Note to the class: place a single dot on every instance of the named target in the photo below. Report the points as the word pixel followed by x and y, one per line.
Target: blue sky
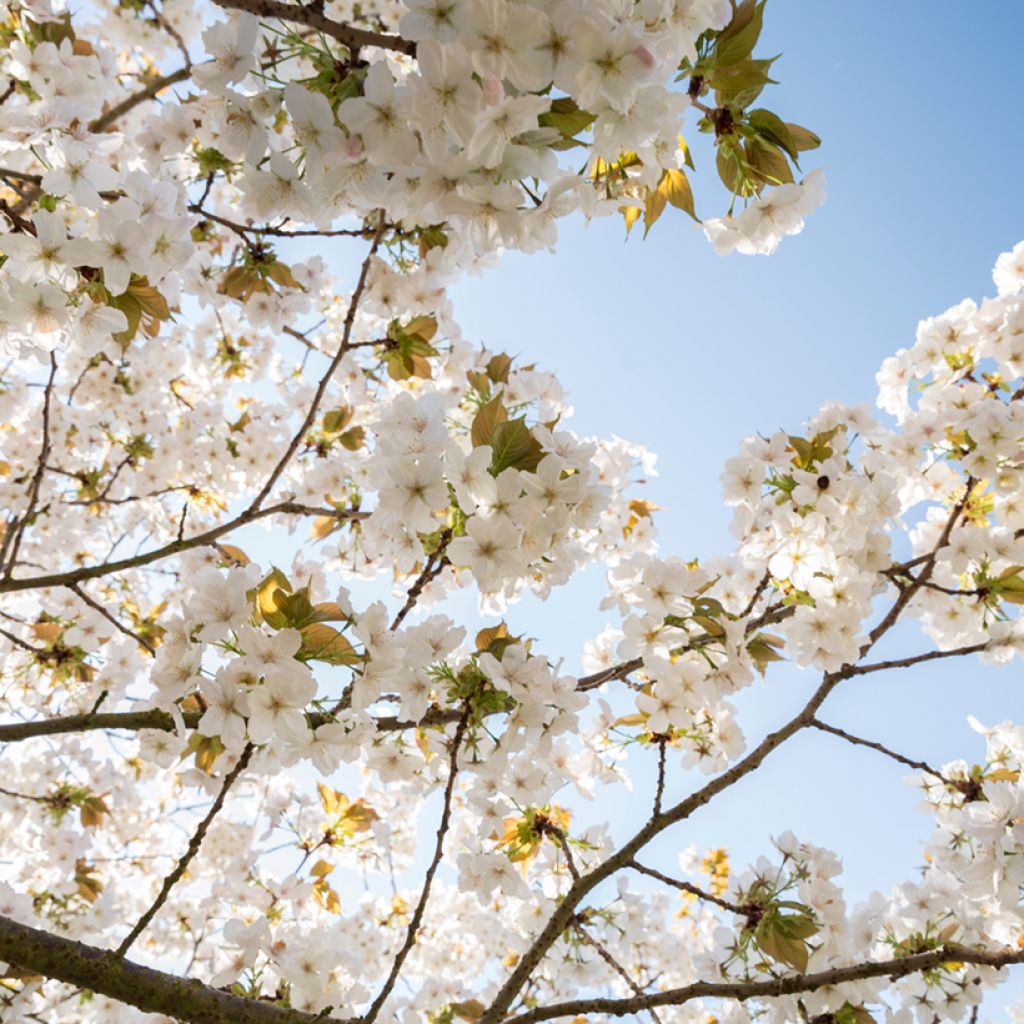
pixel 664 343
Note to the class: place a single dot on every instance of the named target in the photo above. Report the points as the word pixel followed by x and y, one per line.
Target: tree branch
pixel 790 985
pixel 321 388
pixel 436 561
pixel 99 970
pixel 563 914
pixel 186 858
pixel 694 890
pixel 961 785
pixel 421 906
pixel 174 547
pixel 607 957
pixel 17 534
pixel 96 606
pixel 104 121
pixel 313 16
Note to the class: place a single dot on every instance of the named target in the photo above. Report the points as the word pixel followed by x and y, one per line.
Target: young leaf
pixel 514 446
pixel 484 422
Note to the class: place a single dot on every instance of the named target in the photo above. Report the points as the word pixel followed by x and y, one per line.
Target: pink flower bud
pixel 645 57
pixel 494 91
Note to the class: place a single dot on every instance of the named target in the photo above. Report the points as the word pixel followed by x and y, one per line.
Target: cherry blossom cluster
pixel 248 737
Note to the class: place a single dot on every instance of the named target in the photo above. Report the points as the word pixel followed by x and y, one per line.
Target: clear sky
pixel 662 342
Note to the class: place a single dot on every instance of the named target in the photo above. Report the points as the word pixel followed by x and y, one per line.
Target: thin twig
pixel 436 561
pixel 659 791
pixel 421 906
pixel 96 606
pixel 607 957
pixel 693 890
pixel 321 388
pixel 922 766
pixel 186 858
pixel 37 478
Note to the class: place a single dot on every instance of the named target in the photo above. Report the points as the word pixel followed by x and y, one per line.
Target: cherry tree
pixel 243 787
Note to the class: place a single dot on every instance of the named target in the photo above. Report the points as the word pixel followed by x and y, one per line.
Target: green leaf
pixel 848 1014
pixel 687 155
pixel 514 447
pixel 266 598
pixel 422 327
pixel 487 418
pixel 772 128
pixel 132 309
pixel 742 83
pixel 768 162
pixel 728 169
pixel 803 138
pixel 737 40
pixel 804 450
pixel 353 439
pixel 337 420
pixel 785 950
pixel 784 937
pixel 630 214
pixel 566 117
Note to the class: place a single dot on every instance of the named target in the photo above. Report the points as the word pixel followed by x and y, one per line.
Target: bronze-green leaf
pixel 514 447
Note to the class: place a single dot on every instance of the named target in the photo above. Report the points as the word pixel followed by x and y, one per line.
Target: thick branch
pixel 99 970
pixel 743 990
pixel 154 718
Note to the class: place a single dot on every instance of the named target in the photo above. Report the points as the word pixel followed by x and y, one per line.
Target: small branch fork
pixel 433 567
pixel 579 926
